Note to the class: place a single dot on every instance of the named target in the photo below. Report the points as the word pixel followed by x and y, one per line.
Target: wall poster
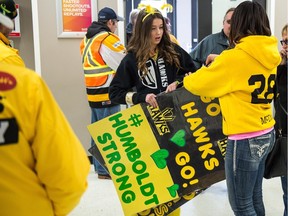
pixel 16 31
pixel 74 17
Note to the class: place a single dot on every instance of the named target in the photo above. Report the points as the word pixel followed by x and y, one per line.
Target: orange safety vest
pixel 98 75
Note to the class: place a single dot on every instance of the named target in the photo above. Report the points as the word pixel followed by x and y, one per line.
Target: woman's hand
pixel 151 100
pixel 172 86
pixel 210 58
pixel 283 54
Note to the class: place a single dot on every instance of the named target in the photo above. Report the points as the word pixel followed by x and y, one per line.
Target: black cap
pixel 107 14
pixel 8 8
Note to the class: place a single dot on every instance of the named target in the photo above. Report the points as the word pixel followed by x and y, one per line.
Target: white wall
pixel 184 20
pixel 277 13
pixel 219 8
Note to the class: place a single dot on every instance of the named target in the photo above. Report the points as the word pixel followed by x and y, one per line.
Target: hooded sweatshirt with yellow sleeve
pixel 43 166
pixel 243 79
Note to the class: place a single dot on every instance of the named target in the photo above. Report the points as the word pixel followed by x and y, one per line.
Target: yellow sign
pixel 133 164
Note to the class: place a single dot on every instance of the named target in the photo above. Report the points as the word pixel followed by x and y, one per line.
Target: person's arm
pixel 186 62
pixel 212 81
pixel 112 51
pixel 126 78
pixel 198 54
pixel 122 83
pixel 62 164
pixel 186 65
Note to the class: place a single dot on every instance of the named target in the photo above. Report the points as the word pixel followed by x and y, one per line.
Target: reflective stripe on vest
pixel 99 82
pixel 96 72
pixel 98 98
pixel 95 64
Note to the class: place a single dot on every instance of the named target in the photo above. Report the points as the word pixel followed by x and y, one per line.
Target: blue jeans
pixel 96 115
pixel 284 187
pixel 244 169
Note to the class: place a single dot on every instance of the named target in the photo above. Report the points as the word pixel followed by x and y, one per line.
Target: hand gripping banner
pixel 160 158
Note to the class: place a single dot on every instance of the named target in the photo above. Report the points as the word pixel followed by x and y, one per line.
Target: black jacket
pixel 95 28
pixel 280 115
pixel 212 44
pixel 160 75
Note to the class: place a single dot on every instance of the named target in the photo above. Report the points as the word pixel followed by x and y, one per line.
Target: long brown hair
pixel 249 18
pixel 140 43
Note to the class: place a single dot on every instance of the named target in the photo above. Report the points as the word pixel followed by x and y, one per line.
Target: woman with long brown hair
pixel 243 78
pixel 152 65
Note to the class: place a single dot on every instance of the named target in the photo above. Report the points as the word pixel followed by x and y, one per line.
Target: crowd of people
pixel 240 65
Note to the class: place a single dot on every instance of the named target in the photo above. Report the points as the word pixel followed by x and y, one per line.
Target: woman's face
pixel 156 31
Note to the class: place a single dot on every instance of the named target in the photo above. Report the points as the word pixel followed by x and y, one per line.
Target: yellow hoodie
pixel 8 54
pixel 243 79
pixel 43 166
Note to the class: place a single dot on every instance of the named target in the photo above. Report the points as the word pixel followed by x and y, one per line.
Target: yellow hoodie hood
pixel 267 55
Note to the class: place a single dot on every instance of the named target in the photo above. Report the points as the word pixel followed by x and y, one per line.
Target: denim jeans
pixel 96 115
pixel 244 169
pixel 284 187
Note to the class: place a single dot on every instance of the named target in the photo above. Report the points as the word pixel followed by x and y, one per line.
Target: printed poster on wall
pixel 16 31
pixel 160 158
pixel 74 17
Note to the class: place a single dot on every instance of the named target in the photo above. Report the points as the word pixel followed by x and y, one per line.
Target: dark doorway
pixel 132 4
pixel 201 20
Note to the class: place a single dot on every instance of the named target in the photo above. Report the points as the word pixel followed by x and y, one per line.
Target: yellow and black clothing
pixel 8 54
pixel 160 75
pixel 98 75
pixel 43 166
pixel 243 79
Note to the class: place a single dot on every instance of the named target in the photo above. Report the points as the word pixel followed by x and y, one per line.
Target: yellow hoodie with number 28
pixel 243 79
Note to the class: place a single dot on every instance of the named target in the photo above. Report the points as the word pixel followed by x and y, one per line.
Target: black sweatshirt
pixel 282 90
pixel 160 75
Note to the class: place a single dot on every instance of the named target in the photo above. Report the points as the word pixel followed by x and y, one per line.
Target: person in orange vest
pixel 102 52
pixel 8 54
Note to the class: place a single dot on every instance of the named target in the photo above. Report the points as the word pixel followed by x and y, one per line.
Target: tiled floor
pixel 101 200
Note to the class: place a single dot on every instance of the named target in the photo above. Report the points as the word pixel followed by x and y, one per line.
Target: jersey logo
pixel 7 81
pixel 8 131
pixel 150 79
